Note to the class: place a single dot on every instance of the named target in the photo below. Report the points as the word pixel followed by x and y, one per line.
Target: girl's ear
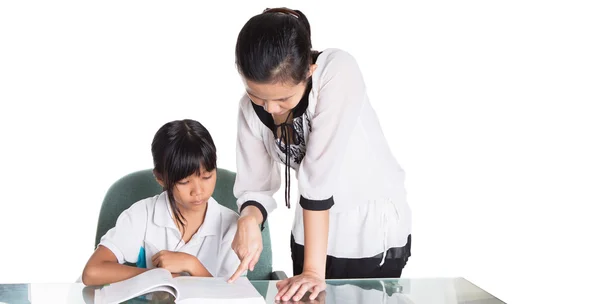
pixel 159 179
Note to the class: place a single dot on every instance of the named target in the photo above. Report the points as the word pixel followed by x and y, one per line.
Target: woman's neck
pixel 284 118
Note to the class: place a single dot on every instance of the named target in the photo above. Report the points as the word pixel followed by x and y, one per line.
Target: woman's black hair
pixel 275 47
pixel 181 148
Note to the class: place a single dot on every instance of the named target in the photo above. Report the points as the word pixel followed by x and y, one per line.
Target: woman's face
pixel 276 98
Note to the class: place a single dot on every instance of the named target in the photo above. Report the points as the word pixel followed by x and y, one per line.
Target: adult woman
pixel 309 110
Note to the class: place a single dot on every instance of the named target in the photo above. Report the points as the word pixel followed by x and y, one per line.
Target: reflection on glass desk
pixel 369 291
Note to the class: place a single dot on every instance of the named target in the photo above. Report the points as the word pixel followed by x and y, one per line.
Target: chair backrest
pixel 139 185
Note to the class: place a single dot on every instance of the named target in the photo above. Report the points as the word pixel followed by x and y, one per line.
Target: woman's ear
pixel 159 179
pixel 311 70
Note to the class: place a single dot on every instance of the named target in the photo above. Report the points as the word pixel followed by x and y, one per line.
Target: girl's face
pixel 194 191
pixel 276 98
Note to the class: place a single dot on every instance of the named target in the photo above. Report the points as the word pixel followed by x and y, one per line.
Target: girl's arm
pixel 179 262
pixel 198 270
pixel 103 268
pixel 119 245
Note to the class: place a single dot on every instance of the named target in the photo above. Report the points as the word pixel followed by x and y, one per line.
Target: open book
pixel 185 289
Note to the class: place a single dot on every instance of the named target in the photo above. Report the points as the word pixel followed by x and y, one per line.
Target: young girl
pixel 310 111
pixel 183 229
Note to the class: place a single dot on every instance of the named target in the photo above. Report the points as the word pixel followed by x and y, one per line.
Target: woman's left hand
pixel 295 287
pixel 175 262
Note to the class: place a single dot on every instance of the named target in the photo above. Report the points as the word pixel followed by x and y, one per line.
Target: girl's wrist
pixel 191 264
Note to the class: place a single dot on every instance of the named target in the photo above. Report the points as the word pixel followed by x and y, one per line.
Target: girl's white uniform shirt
pixel 346 165
pixel 147 227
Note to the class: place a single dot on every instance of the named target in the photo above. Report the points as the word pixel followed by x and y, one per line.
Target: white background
pixel 491 107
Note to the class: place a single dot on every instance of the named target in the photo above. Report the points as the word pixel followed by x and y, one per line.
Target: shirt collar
pixel 212 220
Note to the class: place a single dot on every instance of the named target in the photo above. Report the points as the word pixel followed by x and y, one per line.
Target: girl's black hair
pixel 181 148
pixel 275 47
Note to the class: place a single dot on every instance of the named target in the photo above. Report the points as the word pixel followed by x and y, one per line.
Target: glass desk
pixel 369 291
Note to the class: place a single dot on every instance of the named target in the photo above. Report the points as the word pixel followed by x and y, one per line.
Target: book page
pixel 149 281
pixel 216 290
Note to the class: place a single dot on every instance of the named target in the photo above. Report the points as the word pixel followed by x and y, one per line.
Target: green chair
pixel 139 185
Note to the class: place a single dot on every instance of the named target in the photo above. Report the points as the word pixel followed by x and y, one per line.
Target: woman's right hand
pixel 247 244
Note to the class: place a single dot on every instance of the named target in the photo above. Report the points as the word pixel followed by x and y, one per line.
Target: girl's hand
pixel 247 244
pixel 294 288
pixel 175 262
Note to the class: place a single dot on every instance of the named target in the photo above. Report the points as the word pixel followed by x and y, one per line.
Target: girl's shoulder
pixel 145 207
pixel 227 214
pixel 225 221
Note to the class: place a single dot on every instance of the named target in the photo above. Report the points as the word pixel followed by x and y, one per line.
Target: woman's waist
pixel 374 194
pixel 348 204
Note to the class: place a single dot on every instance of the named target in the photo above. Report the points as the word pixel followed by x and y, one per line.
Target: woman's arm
pixel 257 179
pixel 316 232
pixel 252 213
pixel 103 268
pixel 341 96
pixel 312 279
pixel 258 175
pixel 247 242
